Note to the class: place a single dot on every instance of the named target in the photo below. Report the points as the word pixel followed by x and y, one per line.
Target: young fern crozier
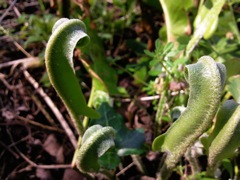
pixel 224 140
pixel 206 79
pixel 97 139
pixel 66 34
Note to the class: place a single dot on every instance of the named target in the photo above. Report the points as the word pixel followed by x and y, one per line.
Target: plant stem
pixel 164 172
pixel 138 162
pixel 86 119
pixel 191 157
pixel 76 151
pixel 199 32
pixel 211 170
pixel 159 112
pixel 167 71
pixel 236 32
pixel 42 7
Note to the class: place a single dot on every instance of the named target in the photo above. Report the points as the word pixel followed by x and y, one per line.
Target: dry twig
pixel 9 149
pixel 39 124
pixel 54 109
pixel 7 10
pixel 53 166
pixel 24 61
pixel 42 109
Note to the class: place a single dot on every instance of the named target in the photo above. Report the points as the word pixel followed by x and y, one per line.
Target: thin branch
pixel 43 110
pixel 125 169
pixel 52 166
pixel 39 124
pixel 24 61
pixel 7 10
pixel 9 149
pixel 145 98
pixel 54 109
pixel 4 81
pixel 15 42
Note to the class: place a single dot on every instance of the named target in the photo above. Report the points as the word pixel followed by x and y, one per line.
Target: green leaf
pixel 136 46
pixel 167 48
pixel 205 21
pixel 141 70
pixel 140 75
pixel 206 79
pixel 108 75
pixel 155 71
pixel 226 24
pixel 109 160
pixel 108 118
pixel 95 142
pixel 147 52
pixel 232 64
pixel 228 166
pixel 32 39
pixel 89 132
pixel 234 87
pixel 180 61
pixel 45 80
pixel 226 136
pixel 153 62
pixel 171 54
pixel 169 63
pixel 223 116
pixel 100 97
pixel 125 138
pixel 176 17
pixel 158 45
pixel 59 51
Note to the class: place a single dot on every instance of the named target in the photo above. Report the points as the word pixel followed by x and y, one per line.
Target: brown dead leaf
pixel 52 146
pixel 43 174
pixel 147 178
pixel 72 175
pixel 8 115
pixel 177 86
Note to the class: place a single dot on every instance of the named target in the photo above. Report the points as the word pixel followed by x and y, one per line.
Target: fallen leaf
pixel 52 146
pixel 72 175
pixel 43 174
